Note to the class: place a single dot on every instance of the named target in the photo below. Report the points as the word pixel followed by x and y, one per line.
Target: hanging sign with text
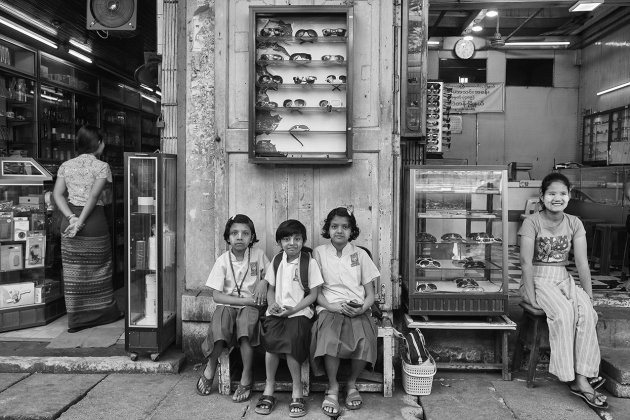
pixel 473 98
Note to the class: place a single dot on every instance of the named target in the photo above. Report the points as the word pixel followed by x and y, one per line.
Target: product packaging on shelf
pixel 17 294
pixel 6 224
pixel 35 249
pixel 20 227
pixel 11 257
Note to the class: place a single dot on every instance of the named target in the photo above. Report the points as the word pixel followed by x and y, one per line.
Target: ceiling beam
pixel 595 17
pixel 604 28
pixel 436 24
pixel 518 28
pixel 472 16
pixel 509 4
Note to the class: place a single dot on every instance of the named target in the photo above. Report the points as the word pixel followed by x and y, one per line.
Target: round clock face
pixel 464 49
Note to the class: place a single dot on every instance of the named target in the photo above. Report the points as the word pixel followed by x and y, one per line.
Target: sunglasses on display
pixel 452 237
pixel 474 264
pixel 271 57
pixel 427 263
pixel 304 79
pixel 331 78
pixel 432 124
pixel 426 288
pixel 267 79
pixel 300 57
pixel 267 32
pixel 299 127
pixel 288 103
pixel 425 237
pixel 434 86
pixel 433 142
pixel 334 32
pixel 466 282
pixel 266 105
pixel 483 237
pixel 433 116
pixel 433 149
pixel 337 58
pixel 433 98
pixel 306 33
pixel 329 104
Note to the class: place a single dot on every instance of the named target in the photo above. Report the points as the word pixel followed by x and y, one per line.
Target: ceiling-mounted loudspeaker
pixel 112 15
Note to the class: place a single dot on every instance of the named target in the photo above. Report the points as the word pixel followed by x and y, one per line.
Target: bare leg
pixel 296 377
pixel 331 364
pixel 247 354
pixel 213 359
pixel 271 367
pixel 356 369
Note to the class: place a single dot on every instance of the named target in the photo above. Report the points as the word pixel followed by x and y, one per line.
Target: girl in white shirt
pixel 238 290
pixel 344 328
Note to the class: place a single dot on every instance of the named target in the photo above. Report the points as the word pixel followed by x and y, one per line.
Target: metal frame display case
pixel 455 240
pixel 150 230
pixel 31 292
pixel 18 135
pixel 413 72
pixel 301 69
pixel 606 137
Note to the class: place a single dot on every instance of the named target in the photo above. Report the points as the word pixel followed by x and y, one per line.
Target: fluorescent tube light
pixel 158 93
pixel 613 88
pixel 538 44
pixel 585 5
pixel 50 98
pixel 429 42
pixel 468 37
pixel 148 98
pixel 81 56
pixel 145 87
pixel 477 28
pixel 27 32
pixel 80 45
pixel 492 13
pixel 39 24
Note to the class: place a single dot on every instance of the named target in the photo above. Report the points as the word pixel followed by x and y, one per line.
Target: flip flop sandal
pixel 331 402
pixel 353 396
pixel 596 383
pixel 591 398
pixel 265 404
pixel 242 393
pixel 297 403
pixel 204 385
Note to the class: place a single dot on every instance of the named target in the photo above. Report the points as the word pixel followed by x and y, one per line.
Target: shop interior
pixel 552 116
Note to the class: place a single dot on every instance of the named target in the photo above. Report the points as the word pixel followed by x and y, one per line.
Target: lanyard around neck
pixel 238 287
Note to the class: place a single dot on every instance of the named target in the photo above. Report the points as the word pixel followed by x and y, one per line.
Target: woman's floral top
pixel 80 174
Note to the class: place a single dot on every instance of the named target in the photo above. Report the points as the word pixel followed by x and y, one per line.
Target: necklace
pixel 238 286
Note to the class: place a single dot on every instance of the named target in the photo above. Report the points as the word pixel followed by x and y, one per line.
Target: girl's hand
pixel 350 311
pixel 275 309
pixel 286 311
pixel 260 293
pixel 335 308
pixel 247 301
pixel 71 230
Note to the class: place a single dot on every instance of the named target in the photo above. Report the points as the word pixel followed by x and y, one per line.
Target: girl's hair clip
pixel 232 217
pixel 350 209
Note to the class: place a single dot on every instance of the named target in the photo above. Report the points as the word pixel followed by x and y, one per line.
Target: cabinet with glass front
pixel 150 232
pixel 455 223
pixel 18 135
pixel 301 85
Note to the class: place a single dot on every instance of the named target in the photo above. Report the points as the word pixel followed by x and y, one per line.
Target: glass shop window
pixel 462 71
pixel 529 72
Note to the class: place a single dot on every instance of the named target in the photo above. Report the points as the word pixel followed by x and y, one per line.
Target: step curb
pixel 170 363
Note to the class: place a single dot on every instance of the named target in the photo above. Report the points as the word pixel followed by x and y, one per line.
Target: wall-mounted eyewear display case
pixel 301 85
pixel 454 236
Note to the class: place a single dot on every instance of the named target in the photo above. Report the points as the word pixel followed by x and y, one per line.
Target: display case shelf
pixel 329 140
pixel 454 225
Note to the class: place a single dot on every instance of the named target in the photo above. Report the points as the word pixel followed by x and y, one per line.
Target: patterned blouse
pixel 80 174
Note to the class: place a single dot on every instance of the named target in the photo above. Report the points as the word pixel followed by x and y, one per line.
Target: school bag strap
pixel 417 352
pixel 376 310
pixel 305 259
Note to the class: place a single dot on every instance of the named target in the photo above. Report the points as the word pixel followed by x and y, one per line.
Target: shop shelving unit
pixel 441 202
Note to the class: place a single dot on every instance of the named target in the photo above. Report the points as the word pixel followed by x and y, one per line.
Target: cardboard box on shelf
pixel 31 199
pixel 49 290
pixel 17 294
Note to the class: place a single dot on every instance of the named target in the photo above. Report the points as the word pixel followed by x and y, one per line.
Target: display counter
pixel 518 194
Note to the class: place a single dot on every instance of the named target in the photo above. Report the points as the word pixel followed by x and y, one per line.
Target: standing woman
pixel 545 241
pixel 85 244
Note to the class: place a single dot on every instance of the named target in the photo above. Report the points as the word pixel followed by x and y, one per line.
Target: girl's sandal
pixel 265 404
pixel 204 385
pixel 331 401
pixel 353 396
pixel 297 407
pixel 242 393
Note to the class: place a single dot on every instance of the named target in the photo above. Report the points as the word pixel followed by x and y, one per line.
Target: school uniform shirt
pixel 222 279
pixel 344 277
pixel 288 284
pixel 552 244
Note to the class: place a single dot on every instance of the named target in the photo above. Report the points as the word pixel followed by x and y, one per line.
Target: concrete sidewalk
pixel 455 395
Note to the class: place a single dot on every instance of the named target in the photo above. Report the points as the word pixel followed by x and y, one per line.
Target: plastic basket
pixel 418 379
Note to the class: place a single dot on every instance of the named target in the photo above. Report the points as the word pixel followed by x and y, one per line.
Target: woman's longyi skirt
pixel 337 335
pixel 87 273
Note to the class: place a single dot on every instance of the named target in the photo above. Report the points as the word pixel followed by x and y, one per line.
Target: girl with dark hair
pixel 545 241
pixel 85 243
pixel 237 287
pixel 344 328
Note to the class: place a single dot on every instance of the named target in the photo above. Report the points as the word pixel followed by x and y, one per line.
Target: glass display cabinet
pixel 301 85
pixel 455 240
pixel 414 73
pixel 18 135
pixel 31 293
pixel 150 232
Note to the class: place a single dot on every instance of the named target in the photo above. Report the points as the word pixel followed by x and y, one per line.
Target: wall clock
pixel 464 49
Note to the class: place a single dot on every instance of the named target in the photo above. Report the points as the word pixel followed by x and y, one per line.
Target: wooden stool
pixel 589 227
pixel 225 381
pixel 603 241
pixel 536 320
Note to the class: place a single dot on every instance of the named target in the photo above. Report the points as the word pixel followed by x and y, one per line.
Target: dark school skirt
pixel 287 336
pixel 337 335
pixel 87 272
pixel 230 325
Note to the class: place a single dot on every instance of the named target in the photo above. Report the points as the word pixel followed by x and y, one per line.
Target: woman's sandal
pixel 331 401
pixel 597 382
pixel 204 385
pixel 353 396
pixel 298 405
pixel 265 404
pixel 591 398
pixel 242 393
